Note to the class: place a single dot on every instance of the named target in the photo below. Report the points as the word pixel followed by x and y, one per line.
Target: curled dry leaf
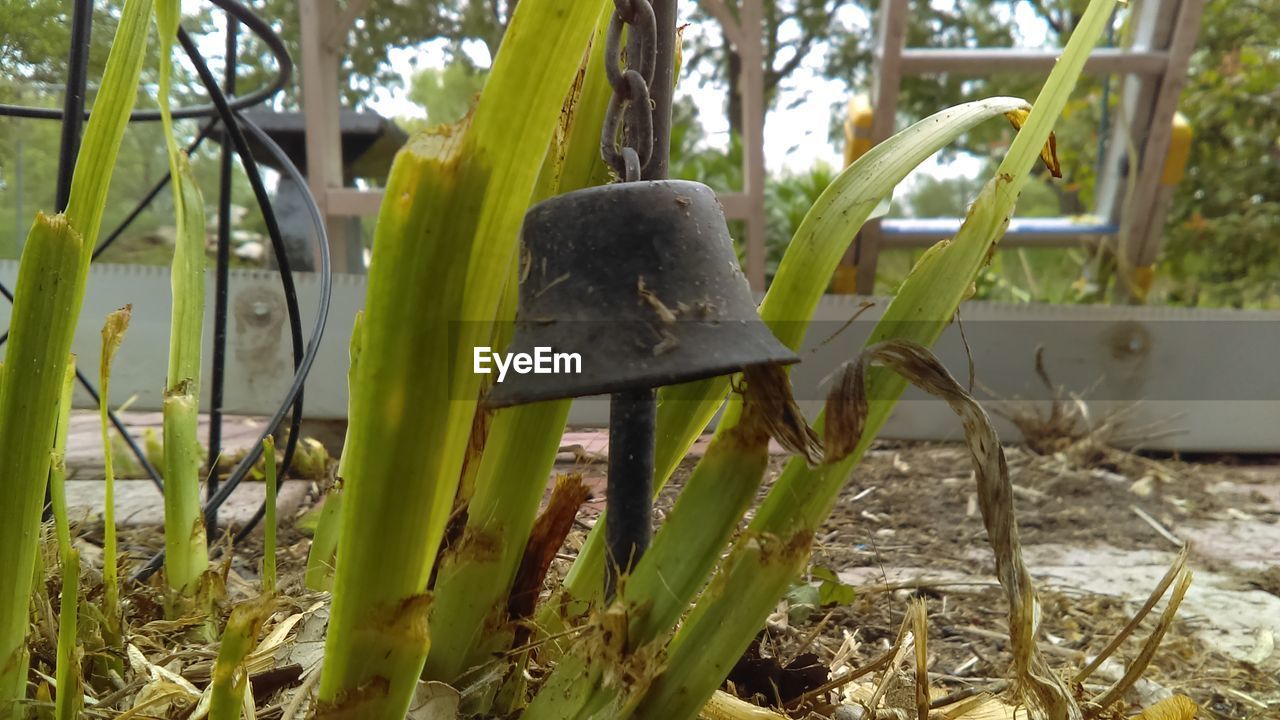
pixel 1048 153
pixel 1036 685
pixel 768 400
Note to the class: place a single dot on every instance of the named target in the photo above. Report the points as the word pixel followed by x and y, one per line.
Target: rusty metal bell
pixel 639 281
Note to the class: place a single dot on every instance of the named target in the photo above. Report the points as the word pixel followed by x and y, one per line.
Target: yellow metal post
pixel 857 141
pixel 1175 168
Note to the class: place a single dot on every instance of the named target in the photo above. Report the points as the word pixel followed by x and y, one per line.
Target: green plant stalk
pixel 473 584
pixel 35 369
pixel 451 214
pixel 322 556
pixel 469 609
pixel 773 550
pixel 112 336
pixel 821 240
pixel 269 530
pixel 70 696
pixel 186 558
pixel 67 671
pixel 186 554
pixel 54 269
pixel 229 681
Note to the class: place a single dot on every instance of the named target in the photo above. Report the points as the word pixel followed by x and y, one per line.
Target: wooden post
pixel 320 107
pixel 753 111
pixel 745 33
pixel 884 103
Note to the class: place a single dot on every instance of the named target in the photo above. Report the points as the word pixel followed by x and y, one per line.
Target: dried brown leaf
pixel 549 532
pixel 1049 153
pixel 1036 685
pixel 768 401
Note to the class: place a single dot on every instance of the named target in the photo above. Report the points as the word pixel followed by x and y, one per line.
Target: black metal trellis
pixel 224 109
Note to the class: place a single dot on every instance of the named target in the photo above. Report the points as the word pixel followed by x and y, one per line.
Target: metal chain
pixel 626 140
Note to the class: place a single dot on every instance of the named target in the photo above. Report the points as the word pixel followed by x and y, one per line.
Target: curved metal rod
pixel 256 25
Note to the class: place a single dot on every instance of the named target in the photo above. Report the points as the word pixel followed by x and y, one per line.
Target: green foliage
pixel 823 589
pixel 447 93
pixel 446 238
pixel 1221 249
pixel 831 590
pixel 787 199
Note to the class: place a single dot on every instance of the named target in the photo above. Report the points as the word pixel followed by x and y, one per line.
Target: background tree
pixel 1221 243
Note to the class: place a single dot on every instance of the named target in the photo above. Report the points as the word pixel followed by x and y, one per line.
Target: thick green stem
pixel 35 367
pixel 186 557
pixel 50 289
pixel 451 215
pixel 475 577
pixel 70 696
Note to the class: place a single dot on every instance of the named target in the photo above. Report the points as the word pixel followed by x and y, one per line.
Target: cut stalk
pixel 230 678
pixel 35 367
pixel 49 293
pixel 269 530
pixel 186 556
pixel 469 611
pixel 451 214
pixel 112 336
pixel 774 548
pixel 70 695
pixel 468 615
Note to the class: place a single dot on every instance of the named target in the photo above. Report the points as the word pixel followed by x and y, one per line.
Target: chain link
pixel 626 140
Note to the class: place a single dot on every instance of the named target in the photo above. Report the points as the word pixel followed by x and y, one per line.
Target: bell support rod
pixel 633 414
pixel 629 494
